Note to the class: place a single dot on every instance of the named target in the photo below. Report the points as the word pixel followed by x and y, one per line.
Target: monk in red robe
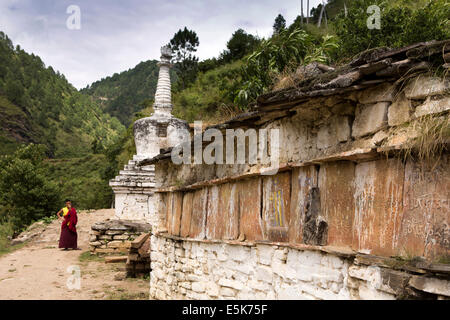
pixel 68 238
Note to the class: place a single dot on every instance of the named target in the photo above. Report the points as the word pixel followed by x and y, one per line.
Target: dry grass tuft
pixel 434 134
pixel 224 113
pixel 430 136
pixel 284 81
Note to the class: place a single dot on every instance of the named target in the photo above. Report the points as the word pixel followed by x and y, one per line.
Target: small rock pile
pixel 115 236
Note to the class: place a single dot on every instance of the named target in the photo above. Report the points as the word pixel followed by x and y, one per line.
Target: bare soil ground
pixel 39 269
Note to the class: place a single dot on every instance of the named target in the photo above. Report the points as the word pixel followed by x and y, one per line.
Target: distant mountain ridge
pixel 39 105
pixel 123 94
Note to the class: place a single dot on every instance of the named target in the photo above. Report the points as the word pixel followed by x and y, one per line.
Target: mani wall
pixel 357 210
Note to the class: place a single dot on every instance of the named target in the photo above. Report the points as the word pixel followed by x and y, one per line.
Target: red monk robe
pixel 68 238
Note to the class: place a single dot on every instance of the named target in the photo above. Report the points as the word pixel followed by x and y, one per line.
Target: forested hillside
pixel 51 142
pixel 125 93
pixel 38 104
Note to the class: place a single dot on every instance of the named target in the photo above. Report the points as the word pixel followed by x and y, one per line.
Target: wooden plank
pixel 132 257
pixel 137 243
pixel 168 200
pixel 177 205
pixel 186 214
pixel 303 179
pixel 387 262
pixel 199 212
pixel 355 155
pixel 229 209
pixel 378 206
pixel 276 206
pixel 250 222
pixel 434 267
pixel 336 185
pixel 215 221
pixel 116 259
pixel 426 200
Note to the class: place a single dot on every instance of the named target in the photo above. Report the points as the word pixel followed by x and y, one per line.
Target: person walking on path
pixel 69 236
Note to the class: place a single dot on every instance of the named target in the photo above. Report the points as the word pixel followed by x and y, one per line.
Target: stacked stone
pixel 202 270
pixel 138 262
pixel 113 237
pixel 382 107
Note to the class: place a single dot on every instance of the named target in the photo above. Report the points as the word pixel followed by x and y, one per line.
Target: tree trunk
pixel 321 15
pixel 302 12
pixel 307 11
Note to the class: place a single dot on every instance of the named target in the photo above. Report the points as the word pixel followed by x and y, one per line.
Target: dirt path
pixel 39 269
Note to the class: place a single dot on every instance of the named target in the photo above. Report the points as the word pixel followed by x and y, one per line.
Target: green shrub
pixel 284 52
pixel 84 180
pixel 26 194
pixel 402 23
pixel 211 91
pixel 6 231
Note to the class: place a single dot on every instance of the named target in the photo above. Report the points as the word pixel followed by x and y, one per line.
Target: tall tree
pixel 302 13
pixel 183 44
pixel 240 44
pixel 307 11
pixel 321 15
pixel 279 25
pixel 26 194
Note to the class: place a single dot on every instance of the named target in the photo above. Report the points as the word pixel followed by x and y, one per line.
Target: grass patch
pixel 9 249
pixel 120 294
pixel 6 232
pixel 444 259
pixel 88 257
pixel 398 262
pixel 49 220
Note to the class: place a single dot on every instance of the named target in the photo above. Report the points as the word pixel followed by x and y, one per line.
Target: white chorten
pixel 133 188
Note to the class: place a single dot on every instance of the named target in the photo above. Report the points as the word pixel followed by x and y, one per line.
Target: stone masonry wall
pixel 200 270
pixel 115 236
pixel 230 232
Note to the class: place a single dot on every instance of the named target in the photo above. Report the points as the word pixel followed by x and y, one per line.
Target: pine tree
pixel 279 25
pixel 183 44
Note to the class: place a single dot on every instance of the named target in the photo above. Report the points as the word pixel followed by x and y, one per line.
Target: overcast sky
pixel 116 35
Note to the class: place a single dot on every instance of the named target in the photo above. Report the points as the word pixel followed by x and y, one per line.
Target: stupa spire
pixel 163 95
